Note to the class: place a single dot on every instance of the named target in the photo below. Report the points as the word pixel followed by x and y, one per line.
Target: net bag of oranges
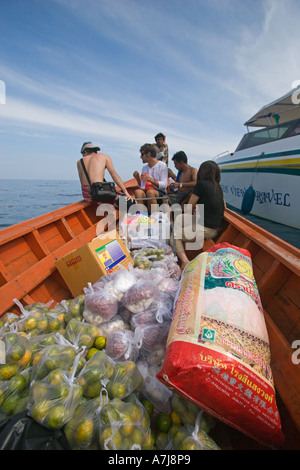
pixel 218 353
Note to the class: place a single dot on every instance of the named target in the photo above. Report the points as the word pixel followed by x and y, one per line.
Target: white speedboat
pixel 268 159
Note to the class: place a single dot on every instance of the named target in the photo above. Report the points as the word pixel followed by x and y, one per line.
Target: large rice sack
pixel 218 353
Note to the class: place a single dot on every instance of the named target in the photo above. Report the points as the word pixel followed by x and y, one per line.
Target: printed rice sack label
pixel 218 353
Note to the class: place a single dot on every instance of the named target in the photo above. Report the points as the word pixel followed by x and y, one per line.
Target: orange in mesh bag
pixel 218 353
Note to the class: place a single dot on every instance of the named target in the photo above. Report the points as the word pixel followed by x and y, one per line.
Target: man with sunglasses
pixel 153 180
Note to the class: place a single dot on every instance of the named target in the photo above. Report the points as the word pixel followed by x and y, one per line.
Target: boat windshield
pixel 269 134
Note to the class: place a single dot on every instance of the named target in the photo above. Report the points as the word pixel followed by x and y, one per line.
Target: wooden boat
pixel 28 252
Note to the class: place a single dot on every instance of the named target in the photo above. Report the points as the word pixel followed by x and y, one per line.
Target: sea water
pixel 25 199
pixel 21 200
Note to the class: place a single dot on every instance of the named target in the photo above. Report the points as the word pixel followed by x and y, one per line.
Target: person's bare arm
pixel 193 199
pixel 136 175
pixel 171 174
pixel 79 172
pixel 110 168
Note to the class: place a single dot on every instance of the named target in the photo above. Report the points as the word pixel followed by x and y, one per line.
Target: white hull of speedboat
pixel 274 177
pixel 272 168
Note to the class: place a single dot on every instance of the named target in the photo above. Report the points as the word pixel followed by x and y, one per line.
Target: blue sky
pixel 117 72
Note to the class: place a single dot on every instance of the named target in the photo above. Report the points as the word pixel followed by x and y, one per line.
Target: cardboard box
pixel 88 263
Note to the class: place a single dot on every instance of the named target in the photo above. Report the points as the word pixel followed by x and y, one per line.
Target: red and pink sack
pixel 218 353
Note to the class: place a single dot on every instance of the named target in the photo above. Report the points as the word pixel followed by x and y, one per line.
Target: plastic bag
pixel 14 394
pixel 81 333
pixel 82 431
pixel 60 355
pixel 39 342
pixel 153 390
pixel 95 374
pixel 126 379
pixel 33 318
pixel 123 425
pixel 53 400
pixel 121 281
pixel 154 334
pixel 33 436
pixel 125 314
pixel 73 308
pixel 144 258
pixel 100 302
pixel 115 324
pixel 193 438
pixel 140 296
pixel 169 285
pixel 124 345
pixel 17 348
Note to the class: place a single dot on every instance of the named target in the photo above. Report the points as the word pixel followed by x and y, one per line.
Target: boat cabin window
pixel 269 134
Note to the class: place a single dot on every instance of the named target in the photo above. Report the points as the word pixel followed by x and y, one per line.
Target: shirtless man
pixel 96 164
pixel 185 180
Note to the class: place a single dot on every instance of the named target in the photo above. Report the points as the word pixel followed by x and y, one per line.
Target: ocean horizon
pixel 21 200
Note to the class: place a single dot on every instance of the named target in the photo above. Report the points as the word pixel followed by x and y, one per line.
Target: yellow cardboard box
pixel 88 263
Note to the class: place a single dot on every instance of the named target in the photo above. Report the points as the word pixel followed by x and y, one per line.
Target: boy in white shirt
pixel 153 180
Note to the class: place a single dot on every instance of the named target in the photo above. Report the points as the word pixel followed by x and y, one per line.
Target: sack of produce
pixel 17 348
pixel 140 296
pixel 154 334
pixel 144 258
pixel 115 324
pixel 169 267
pixel 218 353
pixel 60 355
pixel 81 334
pixel 73 308
pixel 33 318
pixel 121 281
pixel 124 345
pixel 53 400
pixel 14 394
pixel 95 374
pixel 154 390
pixel 39 342
pixel 82 431
pixel 100 302
pixel 192 437
pixel 6 320
pixel 126 379
pixel 123 425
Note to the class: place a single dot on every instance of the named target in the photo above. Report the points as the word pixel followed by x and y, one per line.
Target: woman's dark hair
pixel 180 156
pixel 209 170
